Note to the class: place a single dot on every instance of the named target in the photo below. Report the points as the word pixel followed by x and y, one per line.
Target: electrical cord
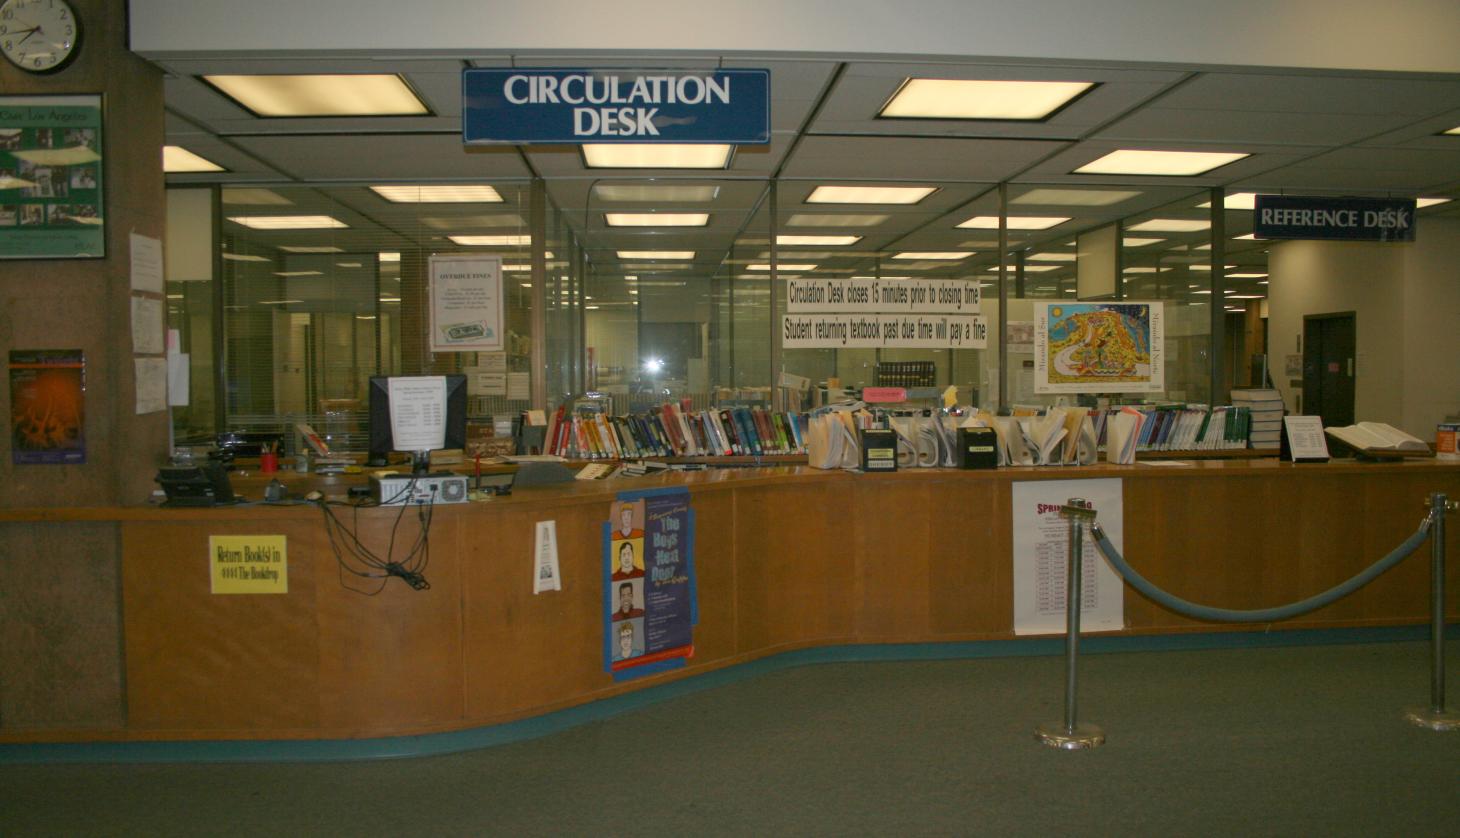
pixel 354 558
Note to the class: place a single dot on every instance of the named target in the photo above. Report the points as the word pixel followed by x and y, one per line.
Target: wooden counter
pixel 786 558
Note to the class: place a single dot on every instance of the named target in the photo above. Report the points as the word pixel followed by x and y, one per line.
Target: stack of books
pixel 1267 415
pixel 671 430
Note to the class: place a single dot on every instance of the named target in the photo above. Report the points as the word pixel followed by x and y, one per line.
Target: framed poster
pixel 51 174
pixel 1099 348
pixel 466 303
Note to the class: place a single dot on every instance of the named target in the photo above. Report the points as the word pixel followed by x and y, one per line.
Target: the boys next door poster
pixel 648 583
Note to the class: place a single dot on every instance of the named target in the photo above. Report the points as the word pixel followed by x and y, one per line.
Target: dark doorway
pixel 1328 367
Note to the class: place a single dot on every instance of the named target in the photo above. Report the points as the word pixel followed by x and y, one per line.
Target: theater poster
pixel 649 600
pixel 47 406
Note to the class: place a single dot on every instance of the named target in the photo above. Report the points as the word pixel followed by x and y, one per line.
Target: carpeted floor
pixel 1280 741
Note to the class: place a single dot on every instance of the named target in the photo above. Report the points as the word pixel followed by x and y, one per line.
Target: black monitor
pixel 382 439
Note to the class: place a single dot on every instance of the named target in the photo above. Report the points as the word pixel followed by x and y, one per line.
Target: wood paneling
pixel 785 559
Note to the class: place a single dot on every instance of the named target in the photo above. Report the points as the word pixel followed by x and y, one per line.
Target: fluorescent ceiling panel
pixel 1052 257
pixel 656 254
pixel 981 99
pixel 927 254
pixel 1247 238
pixel 391 256
pixel 1246 276
pixel 310 248
pixel 1074 197
pixel 442 194
pixel 656 219
pixel 288 222
pixel 321 95
pixel 1015 222
pixel 1041 268
pixel 784 266
pixel 460 222
pixel 1234 201
pixel 349 264
pixel 298 273
pixel 1170 225
pixel 1137 241
pixel 253 196
pixel 176 159
pixel 244 257
pixel 869 194
pixel 817 240
pixel 632 193
pixel 278 302
pixel 1455 130
pixel 811 219
pixel 1168 163
pixel 1421 203
pixel 492 241
pixel 656 156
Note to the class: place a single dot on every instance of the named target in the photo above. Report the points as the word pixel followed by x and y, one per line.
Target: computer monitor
pixel 382 435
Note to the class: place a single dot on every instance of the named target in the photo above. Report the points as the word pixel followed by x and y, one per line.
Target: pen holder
pixel 268 463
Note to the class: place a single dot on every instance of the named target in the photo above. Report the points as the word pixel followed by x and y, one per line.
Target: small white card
pixel 545 573
pixel 1305 438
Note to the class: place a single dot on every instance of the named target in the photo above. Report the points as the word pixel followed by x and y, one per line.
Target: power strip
pixel 400 489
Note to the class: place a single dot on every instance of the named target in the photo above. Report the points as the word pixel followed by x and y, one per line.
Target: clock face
pixel 39 36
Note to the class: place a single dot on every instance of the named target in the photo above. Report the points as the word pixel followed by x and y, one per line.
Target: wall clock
pixel 39 36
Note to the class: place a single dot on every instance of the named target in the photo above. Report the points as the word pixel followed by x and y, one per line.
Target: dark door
pixel 1328 367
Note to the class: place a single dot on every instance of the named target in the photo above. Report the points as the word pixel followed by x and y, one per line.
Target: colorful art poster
pixel 51 203
pixel 649 600
pixel 1099 348
pixel 47 406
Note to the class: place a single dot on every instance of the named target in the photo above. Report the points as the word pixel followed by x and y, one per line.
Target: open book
pixel 1377 436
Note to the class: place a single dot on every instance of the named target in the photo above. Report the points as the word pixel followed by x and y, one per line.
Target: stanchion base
pixel 1055 735
pixel 1433 719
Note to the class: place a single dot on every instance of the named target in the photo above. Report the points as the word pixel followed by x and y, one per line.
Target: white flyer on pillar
pixel 1041 546
pixel 466 303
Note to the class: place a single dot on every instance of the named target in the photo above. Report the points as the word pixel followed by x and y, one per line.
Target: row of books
pixel 675 431
pixel 1186 428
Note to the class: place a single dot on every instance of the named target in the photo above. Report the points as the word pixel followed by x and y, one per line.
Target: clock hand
pixel 28 32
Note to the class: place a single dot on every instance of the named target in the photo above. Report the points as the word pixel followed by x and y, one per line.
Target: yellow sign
pixel 249 564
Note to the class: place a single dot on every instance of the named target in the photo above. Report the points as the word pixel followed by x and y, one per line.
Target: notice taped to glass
pixel 466 303
pixel 885 331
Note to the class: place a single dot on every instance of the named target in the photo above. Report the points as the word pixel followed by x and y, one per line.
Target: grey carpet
pixel 1294 741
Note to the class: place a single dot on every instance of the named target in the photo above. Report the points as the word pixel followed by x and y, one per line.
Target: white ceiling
pixel 1308 132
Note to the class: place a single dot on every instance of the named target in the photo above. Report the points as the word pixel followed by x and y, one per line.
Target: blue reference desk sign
pixel 565 106
pixel 1350 219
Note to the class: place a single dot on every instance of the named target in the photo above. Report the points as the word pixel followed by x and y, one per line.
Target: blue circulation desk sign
pixel 547 106
pixel 1348 219
pixel 649 597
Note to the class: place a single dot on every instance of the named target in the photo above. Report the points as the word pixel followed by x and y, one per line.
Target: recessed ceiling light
pixel 492 241
pixel 278 302
pixel 817 240
pixel 442 194
pixel 389 256
pixel 1140 270
pixel 1235 201
pixel 321 95
pixel 655 156
pixel 656 219
pixel 1421 203
pixel 1052 257
pixel 517 267
pixel 1042 268
pixel 1247 238
pixel 1245 297
pixel 253 196
pixel 810 219
pixel 930 254
pixel 390 299
pixel 349 265
pixel 1170 225
pixel 1169 163
pixel 632 193
pixel 784 266
pixel 656 254
pixel 1206 267
pixel 244 257
pixel 310 248
pixel 1015 222
pixel 1455 130
pixel 462 222
pixel 657 267
pixel 1137 241
pixel 298 273
pixel 287 222
pixel 869 194
pixel 176 159
pixel 1246 276
pixel 1074 197
pixel 981 99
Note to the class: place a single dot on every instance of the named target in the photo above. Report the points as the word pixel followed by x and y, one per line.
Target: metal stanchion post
pixel 1071 735
pixel 1435 717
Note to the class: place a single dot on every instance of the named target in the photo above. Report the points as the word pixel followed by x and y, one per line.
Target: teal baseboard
pixel 435 744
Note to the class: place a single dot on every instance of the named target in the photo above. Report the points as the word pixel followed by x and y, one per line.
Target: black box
pixel 879 449
pixel 978 448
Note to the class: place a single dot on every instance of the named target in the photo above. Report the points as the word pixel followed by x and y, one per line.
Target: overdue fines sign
pixel 876 314
pixel 466 303
pixel 523 105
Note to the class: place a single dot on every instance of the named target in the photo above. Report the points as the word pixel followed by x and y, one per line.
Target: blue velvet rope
pixel 1260 615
